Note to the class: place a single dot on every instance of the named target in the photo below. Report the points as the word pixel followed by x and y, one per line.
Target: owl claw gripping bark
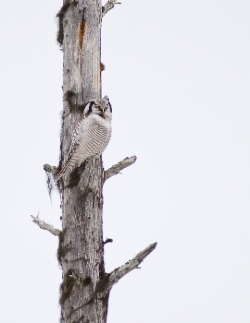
pixel 91 135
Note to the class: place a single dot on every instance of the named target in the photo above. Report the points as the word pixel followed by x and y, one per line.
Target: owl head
pixel 100 107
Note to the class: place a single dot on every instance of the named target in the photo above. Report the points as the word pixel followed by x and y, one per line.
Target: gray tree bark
pixel 85 288
pixel 81 249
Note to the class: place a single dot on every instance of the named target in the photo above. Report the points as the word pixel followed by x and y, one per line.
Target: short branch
pixel 118 273
pixel 108 6
pixel 45 226
pixel 108 240
pixel 50 169
pixel 114 170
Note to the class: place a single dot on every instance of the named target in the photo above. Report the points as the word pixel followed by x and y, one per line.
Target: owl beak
pixel 103 112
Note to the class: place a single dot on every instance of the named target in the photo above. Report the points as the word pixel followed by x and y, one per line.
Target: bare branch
pixel 108 6
pixel 118 273
pixel 45 226
pixel 114 170
pixel 109 280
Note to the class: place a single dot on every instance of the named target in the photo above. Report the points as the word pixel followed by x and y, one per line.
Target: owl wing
pixel 73 148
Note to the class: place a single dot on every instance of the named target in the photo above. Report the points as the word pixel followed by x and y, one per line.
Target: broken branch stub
pixel 108 6
pixel 50 169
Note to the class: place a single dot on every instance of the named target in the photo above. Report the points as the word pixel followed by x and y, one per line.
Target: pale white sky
pixel 178 75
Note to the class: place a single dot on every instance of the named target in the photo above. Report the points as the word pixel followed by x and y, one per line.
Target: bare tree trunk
pixel 82 240
pixel 85 287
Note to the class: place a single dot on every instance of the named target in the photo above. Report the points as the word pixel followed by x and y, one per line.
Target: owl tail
pixel 60 174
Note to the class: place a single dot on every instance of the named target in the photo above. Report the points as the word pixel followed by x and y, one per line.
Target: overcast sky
pixel 178 76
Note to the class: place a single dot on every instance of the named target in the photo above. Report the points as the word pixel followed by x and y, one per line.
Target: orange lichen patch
pixel 82 27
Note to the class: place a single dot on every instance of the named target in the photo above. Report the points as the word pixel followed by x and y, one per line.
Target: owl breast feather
pixel 94 137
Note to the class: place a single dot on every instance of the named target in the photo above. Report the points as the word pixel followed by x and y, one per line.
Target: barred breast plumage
pixel 91 135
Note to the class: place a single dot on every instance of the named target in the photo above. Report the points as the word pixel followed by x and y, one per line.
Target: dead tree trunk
pixel 81 250
pixel 85 287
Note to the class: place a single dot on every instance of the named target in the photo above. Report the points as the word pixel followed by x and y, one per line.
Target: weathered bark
pixel 82 240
